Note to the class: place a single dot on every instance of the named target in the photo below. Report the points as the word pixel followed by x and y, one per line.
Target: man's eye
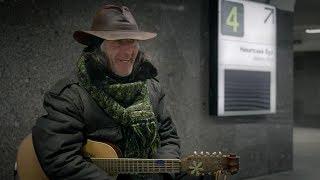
pixel 116 43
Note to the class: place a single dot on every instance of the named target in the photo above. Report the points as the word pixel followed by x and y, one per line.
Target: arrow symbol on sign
pixel 269 15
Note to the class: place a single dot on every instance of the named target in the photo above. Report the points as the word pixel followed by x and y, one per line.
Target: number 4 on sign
pixel 232 19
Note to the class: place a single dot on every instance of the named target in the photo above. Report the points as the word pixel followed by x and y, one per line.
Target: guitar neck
pixel 132 166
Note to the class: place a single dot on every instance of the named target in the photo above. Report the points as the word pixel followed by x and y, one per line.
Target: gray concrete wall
pixel 37 49
pixel 307 89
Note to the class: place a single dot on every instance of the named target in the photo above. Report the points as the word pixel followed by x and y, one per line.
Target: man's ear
pixel 104 56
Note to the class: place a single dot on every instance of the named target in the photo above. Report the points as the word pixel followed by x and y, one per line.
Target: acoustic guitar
pixel 106 156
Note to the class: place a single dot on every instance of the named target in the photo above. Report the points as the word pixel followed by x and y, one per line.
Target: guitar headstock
pixel 210 163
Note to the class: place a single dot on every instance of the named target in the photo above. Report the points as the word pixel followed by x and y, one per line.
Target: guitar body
pixel 29 167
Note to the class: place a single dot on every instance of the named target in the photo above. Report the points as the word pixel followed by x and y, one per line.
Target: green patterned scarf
pixel 126 103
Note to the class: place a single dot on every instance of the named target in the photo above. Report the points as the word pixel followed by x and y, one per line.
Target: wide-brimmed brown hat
pixel 112 22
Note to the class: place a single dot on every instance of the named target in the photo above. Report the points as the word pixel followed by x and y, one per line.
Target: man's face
pixel 121 55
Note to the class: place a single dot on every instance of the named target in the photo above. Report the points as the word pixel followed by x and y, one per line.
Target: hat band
pixel 117 27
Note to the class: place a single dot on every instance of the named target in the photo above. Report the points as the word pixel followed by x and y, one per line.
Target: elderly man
pixel 112 96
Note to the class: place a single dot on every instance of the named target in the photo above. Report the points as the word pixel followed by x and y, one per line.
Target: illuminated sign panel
pixel 246 58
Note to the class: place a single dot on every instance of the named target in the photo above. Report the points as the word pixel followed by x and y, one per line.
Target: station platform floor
pixel 306 154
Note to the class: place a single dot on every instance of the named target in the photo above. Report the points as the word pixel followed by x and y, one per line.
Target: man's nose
pixel 127 48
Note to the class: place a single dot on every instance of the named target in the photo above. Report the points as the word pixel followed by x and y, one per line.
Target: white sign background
pixel 254 51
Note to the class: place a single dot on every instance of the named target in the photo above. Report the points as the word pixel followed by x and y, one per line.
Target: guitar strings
pixel 137 165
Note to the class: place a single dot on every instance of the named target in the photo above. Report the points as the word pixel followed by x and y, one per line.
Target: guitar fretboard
pixel 129 166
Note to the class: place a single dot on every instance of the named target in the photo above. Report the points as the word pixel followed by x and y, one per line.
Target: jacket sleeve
pixel 169 139
pixel 58 138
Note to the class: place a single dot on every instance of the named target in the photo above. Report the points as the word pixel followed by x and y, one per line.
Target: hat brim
pixel 85 37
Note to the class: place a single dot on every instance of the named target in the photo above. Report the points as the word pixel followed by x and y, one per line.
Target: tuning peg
pixel 207 153
pixel 214 153
pixel 195 153
pixel 219 153
pixel 201 152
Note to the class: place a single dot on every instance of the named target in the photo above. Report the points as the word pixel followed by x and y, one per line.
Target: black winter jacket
pixel 73 117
